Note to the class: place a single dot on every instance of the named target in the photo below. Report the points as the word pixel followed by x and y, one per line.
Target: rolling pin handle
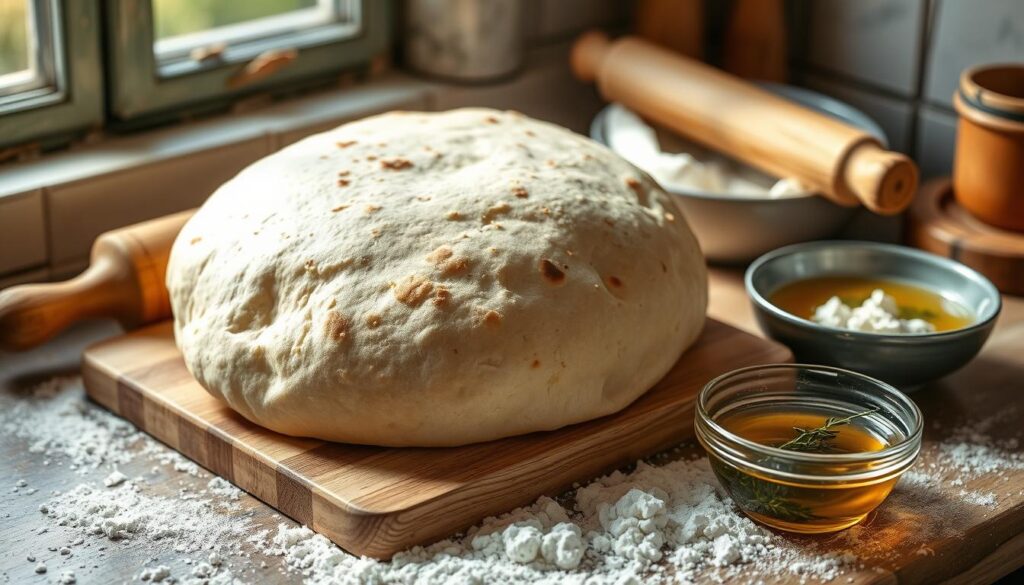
pixel 30 314
pixel 884 181
pixel 588 53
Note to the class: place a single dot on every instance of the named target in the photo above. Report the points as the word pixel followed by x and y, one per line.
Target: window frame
pixel 141 88
pixel 72 100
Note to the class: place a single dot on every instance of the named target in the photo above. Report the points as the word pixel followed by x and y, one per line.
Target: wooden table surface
pixel 907 540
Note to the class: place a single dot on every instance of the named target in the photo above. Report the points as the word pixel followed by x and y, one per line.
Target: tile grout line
pixel 918 102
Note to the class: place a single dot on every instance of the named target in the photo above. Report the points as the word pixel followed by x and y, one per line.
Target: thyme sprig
pixel 817 440
pixel 768 498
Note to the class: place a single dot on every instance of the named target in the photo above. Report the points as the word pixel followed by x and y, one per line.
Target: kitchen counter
pixel 944 538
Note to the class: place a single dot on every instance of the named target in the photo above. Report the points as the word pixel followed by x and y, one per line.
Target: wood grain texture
pixel 375 500
pixel 938 224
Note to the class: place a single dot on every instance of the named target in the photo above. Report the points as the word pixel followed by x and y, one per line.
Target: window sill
pixel 52 208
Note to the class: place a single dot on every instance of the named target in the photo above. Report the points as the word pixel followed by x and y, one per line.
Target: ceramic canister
pixel 464 40
pixel 988 171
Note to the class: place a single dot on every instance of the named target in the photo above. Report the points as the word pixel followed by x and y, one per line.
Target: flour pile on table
pixel 658 523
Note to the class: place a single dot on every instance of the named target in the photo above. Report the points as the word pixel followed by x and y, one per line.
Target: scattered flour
pixel 114 479
pixel 57 420
pixel 156 574
pixel 126 513
pixel 658 523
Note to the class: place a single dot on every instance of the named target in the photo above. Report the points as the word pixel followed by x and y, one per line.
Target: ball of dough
pixel 435 279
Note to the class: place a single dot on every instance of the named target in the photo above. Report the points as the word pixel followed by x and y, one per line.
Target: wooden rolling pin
pixel 125 280
pixel 727 114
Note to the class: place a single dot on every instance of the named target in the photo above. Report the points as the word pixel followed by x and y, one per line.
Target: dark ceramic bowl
pixel 907 361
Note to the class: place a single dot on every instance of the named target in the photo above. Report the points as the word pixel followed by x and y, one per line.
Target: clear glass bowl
pixel 807 492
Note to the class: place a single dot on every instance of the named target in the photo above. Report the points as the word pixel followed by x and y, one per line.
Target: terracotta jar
pixel 988 172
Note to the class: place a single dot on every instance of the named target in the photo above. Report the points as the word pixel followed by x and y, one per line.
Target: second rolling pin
pixel 125 280
pixel 725 113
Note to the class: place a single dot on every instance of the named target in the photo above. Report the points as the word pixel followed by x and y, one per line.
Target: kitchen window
pixel 50 79
pixel 155 60
pixel 188 53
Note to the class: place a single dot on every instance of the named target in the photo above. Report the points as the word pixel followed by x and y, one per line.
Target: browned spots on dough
pixel 339 208
pixel 310 264
pixel 669 216
pixel 195 240
pixel 494 211
pixel 531 133
pixel 444 259
pixel 614 282
pixel 376 233
pixel 535 364
pixel 343 182
pixel 520 192
pixel 439 255
pixel 454 215
pixel 491 318
pixel 371 157
pixel 491 120
pixel 551 163
pixel 442 296
pixel 336 326
pixel 396 164
pixel 423 197
pixel 551 272
pixel 344 173
pixel 373 320
pixel 635 185
pixel 413 290
pixel 454 266
pixel 345 144
pixel 370 208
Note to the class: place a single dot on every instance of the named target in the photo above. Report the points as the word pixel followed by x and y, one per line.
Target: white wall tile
pixel 22 231
pixel 893 115
pixel 936 141
pixel 875 41
pixel 82 210
pixel 969 33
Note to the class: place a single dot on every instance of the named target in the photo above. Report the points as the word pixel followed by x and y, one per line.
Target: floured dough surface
pixel 435 279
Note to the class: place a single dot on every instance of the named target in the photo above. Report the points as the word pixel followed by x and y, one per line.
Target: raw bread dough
pixel 435 279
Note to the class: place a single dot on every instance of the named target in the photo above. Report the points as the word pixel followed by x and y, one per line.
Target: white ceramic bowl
pixel 738 228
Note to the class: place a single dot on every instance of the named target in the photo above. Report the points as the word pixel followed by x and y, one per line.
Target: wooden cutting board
pixel 376 501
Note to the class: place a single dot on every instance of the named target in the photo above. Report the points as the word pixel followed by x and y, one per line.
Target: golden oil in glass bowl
pixel 751 422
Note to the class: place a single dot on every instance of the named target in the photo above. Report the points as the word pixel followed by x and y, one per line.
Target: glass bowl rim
pixel 911 442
